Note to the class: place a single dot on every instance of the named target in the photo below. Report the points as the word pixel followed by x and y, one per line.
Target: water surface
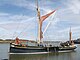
pixel 74 55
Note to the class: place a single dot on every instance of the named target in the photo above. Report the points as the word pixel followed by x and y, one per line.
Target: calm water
pixel 75 55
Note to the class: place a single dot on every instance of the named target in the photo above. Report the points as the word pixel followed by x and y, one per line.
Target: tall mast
pixel 70 35
pixel 39 29
pixel 40 22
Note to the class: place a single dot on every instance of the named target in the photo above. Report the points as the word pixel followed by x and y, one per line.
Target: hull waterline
pixel 39 50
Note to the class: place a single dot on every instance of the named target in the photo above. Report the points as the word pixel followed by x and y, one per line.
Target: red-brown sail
pixel 41 21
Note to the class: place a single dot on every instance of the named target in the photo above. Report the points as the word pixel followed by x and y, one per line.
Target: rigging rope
pixel 16 29
pixel 28 27
pixel 52 18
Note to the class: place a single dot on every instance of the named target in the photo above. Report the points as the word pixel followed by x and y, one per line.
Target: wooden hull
pixel 26 50
pixel 38 50
pixel 67 48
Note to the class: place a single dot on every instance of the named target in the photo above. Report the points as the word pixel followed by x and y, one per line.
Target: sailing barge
pixel 39 47
pixel 18 48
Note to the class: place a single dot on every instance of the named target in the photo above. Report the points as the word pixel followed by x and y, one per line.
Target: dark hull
pixel 76 42
pixel 26 50
pixel 69 48
pixel 39 50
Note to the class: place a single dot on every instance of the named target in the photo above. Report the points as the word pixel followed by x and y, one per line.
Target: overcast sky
pixel 19 18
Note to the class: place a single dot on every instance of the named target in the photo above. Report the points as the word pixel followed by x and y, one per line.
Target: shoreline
pixel 9 41
pixel 5 41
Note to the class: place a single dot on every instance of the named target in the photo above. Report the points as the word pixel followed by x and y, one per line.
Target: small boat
pixel 69 45
pixel 77 41
pixel 38 46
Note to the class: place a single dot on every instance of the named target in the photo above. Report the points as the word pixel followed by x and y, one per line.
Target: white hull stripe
pixel 31 53
pixel 41 52
pixel 66 51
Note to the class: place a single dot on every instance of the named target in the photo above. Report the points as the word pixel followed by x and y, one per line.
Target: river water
pixel 74 55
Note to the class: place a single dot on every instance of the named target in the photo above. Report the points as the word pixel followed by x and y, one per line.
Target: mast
pixel 70 39
pixel 39 29
pixel 40 22
pixel 70 34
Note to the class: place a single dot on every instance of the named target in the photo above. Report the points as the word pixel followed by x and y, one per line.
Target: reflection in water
pixel 54 56
pixel 75 55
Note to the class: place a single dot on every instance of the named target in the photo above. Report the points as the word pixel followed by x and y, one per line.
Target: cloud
pixel 30 5
pixel 15 23
pixel 73 6
pixel 65 33
pixel 3 14
pixel 68 18
pixel 25 4
pixel 68 15
pixel 5 17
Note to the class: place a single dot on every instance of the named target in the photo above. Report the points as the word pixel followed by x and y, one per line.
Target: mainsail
pixel 40 22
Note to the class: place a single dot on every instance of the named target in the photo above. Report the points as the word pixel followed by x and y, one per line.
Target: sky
pixel 18 18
